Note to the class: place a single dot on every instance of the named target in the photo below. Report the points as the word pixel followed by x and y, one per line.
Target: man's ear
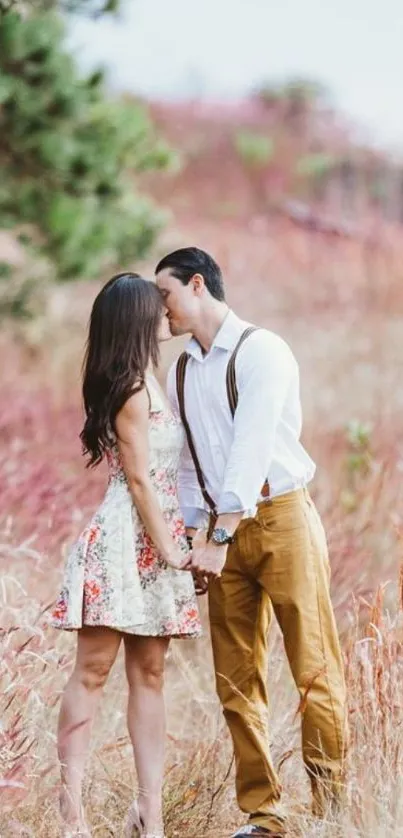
pixel 198 283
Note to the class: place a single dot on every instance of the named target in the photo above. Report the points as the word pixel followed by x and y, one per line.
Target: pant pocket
pixel 318 532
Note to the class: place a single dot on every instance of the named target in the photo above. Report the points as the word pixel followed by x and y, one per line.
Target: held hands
pixel 178 559
pixel 199 540
pixel 208 560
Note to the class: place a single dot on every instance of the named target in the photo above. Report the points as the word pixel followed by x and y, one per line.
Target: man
pixel 246 472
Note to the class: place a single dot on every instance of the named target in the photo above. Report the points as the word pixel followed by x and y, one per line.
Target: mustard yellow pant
pixel 279 562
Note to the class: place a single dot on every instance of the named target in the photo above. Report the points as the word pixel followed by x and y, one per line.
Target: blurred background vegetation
pixel 306 221
pixel 66 148
pixel 72 158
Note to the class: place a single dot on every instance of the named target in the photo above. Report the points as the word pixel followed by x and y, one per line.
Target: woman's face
pixel 164 332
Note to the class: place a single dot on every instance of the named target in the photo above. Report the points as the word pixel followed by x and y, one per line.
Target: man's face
pixel 181 301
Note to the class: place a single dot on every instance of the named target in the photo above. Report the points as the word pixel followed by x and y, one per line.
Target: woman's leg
pixel 145 659
pixel 97 648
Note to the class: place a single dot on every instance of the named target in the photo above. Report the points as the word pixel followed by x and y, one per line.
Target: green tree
pixel 68 153
pixel 93 8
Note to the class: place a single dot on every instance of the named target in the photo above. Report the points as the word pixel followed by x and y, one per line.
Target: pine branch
pixel 91 8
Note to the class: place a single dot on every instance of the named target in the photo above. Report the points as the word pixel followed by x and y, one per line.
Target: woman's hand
pixel 179 560
pixel 132 426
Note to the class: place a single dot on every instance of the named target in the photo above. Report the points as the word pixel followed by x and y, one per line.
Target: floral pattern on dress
pixel 114 575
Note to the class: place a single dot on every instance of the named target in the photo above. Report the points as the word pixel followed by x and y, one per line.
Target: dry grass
pixel 348 338
pixel 199 783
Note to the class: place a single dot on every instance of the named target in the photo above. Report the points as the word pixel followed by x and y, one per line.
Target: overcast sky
pixel 222 48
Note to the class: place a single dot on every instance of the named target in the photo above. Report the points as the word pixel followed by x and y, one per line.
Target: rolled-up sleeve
pixel 265 369
pixel 190 497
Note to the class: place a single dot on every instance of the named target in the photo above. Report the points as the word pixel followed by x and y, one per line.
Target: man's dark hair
pixel 187 262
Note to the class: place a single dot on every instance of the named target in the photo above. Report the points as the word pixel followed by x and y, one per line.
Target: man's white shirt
pixel 261 443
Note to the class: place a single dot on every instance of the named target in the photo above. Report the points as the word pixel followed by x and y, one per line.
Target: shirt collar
pixel 226 338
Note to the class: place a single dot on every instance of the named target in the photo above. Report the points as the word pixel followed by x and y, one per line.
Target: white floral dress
pixel 114 575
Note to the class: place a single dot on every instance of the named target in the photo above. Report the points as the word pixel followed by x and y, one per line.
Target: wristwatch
pixel 221 536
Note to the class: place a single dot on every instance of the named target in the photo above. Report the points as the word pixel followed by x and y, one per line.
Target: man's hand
pixel 199 541
pixel 209 559
pixel 200 582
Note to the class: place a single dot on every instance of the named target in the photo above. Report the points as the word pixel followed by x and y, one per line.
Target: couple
pixel 212 481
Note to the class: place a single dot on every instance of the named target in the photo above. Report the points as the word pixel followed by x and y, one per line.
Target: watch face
pixel 220 535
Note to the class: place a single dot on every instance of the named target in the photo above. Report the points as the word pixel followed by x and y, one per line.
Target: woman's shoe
pixel 133 822
pixel 79 830
pixel 76 832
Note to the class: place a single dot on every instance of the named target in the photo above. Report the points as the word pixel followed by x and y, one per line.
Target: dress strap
pixel 154 395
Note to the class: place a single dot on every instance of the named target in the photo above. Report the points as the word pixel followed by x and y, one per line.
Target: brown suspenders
pixel 232 393
pixel 232 389
pixel 180 387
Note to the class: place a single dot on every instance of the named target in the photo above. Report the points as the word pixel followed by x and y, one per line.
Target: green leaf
pixel 315 165
pixel 5 270
pixel 256 150
pixel 6 88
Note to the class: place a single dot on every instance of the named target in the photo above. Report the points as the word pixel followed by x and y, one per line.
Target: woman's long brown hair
pixel 122 340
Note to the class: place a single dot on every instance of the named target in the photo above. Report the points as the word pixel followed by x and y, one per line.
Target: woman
pixel 124 578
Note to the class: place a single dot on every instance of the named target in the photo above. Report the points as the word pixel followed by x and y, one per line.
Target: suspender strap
pixel 232 390
pixel 180 387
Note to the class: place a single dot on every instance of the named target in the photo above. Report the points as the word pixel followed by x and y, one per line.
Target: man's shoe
pixel 256 832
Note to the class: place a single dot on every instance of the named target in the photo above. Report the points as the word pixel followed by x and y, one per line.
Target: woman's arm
pixel 132 437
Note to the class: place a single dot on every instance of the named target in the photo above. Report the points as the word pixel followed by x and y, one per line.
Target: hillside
pixel 310 247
